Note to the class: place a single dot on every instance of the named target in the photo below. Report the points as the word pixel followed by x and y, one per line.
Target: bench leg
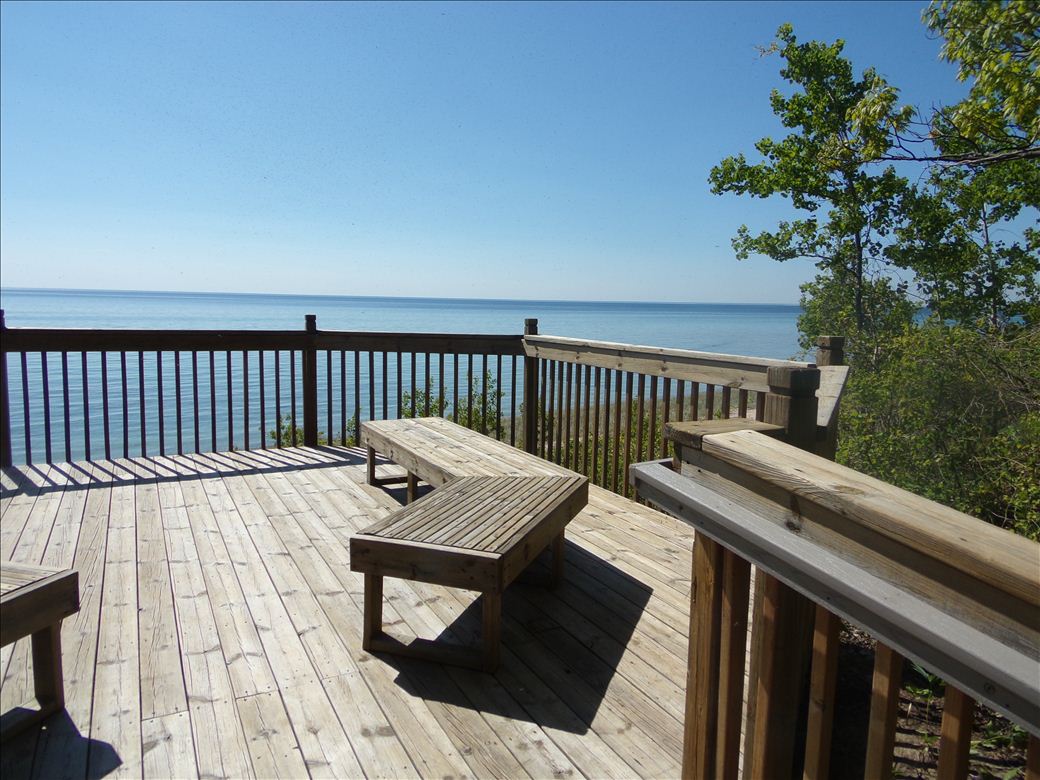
pixel 492 629
pixel 556 575
pixel 371 466
pixel 412 489
pixel 47 673
pixel 373 610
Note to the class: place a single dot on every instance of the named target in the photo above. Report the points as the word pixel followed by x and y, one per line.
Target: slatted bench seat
pixel 33 602
pixel 495 508
pixel 477 533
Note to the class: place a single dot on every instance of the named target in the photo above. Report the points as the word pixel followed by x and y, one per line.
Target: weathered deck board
pixel 220 632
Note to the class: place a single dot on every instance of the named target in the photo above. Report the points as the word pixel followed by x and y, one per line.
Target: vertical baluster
pixel 617 431
pixel 680 400
pixel 884 711
pixel 371 386
pixel 695 401
pixel 565 407
pixel 105 421
pixel 595 425
pixel 760 405
pixel 709 402
pixel 213 401
pixel 328 397
pixel 727 402
pixel 640 424
pixel 86 405
pixel 230 399
pixel 343 397
pixel 498 398
pixel 195 396
pixel 426 384
pixel 546 412
pixel 586 438
pixel 25 407
pixel 245 398
pixel 126 406
pixel 736 582
pixel 483 394
pixel 277 399
pixel 470 387
pixel 955 738
pixel 628 434
pixel 177 402
pixel 440 385
pixel 397 411
pixel 412 383
pixel 666 391
pixel 823 680
pixel 577 443
pixel 455 388
pixel 650 448
pixel 295 439
pixel 141 406
pixel 386 411
pixel 159 393
pixel 65 404
pixel 512 403
pixel 559 410
pixel 261 378
pixel 742 403
pixel 47 407
pixel 357 397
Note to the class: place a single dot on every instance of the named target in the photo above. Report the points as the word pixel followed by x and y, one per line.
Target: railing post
pixel 530 392
pixel 830 350
pixel 310 386
pixel 5 403
pixel 783 618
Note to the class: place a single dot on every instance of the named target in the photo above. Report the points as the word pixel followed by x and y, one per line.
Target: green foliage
pixel 423 401
pixel 292 435
pixel 477 410
pixel 821 169
pixel 953 414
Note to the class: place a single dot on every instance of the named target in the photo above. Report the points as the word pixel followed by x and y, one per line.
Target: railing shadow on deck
pixel 60 750
pixel 537 641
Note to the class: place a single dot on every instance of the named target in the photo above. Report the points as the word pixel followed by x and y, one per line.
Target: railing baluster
pixel 343 397
pixel 617 431
pixel 328 396
pixel 141 404
pixel 955 739
pixel 695 400
pixel 371 386
pixel 440 385
pixel 727 402
pixel 213 400
pixel 709 402
pixel 295 439
pixel 469 392
pixel 426 384
pixel 262 379
pixel 104 408
pixel 628 433
pixel 386 411
pixel 884 710
pixel 47 406
pixel 680 400
pixel 177 403
pixel 357 398
pixel 666 391
pixel 400 395
pixel 245 398
pixel 544 414
pixel 736 581
pixel 126 406
pixel 640 424
pixel 559 409
pixel 483 395
pixel 742 403
pixel 760 406
pixel 498 398
pixel 595 427
pixel 159 393
pixel 586 439
pixel 277 399
pixel 512 403
pixel 455 388
pixel 822 686
pixel 412 384
pixel 86 405
pixel 230 399
pixel 65 404
pixel 195 397
pixel 565 407
pixel 652 434
pixel 25 407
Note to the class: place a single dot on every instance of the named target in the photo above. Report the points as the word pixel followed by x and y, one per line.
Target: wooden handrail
pixel 732 371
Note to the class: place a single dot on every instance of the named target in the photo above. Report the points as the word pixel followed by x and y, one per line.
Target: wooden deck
pixel 220 633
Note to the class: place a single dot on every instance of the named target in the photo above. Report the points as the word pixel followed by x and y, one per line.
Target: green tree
pixel 821 168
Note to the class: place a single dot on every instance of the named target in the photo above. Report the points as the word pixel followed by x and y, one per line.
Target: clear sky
pixel 469 150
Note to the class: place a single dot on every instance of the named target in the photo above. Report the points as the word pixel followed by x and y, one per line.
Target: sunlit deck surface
pixel 220 633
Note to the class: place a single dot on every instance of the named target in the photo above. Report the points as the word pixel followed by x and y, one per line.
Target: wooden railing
pixel 602 405
pixel 77 394
pixel 955 594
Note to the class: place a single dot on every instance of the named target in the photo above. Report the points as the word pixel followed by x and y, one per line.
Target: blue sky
pixel 471 150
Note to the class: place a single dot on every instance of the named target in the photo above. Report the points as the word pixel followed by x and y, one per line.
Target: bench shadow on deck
pixel 220 632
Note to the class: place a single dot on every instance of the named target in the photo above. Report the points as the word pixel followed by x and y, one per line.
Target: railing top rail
pixel 737 371
pixel 132 339
pixel 950 591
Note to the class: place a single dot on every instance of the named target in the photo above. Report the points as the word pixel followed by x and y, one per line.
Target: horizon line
pixel 386 297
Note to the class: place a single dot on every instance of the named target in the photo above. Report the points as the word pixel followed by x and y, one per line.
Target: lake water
pixel 745 329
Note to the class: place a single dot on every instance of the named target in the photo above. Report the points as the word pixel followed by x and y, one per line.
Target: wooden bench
pixel 494 510
pixel 33 602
